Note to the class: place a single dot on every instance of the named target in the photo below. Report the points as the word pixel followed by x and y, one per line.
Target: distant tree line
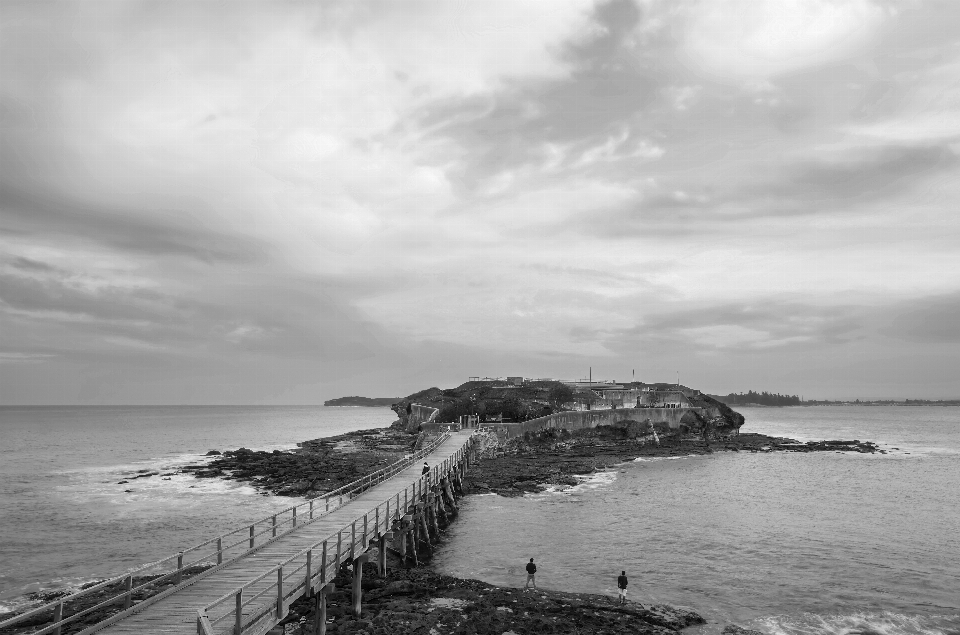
pixel 763 398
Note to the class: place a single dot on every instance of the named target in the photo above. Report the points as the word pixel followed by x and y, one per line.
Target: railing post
pixel 327 499
pixel 280 592
pixel 274 525
pixel 306 588
pixel 376 521
pixel 238 618
pixel 365 529
pixel 57 617
pixel 386 520
pixel 311 510
pixel 220 550
pixel 128 588
pixel 251 536
pixel 179 567
pixel 339 547
pixel 294 516
pixel 353 538
pixel 323 564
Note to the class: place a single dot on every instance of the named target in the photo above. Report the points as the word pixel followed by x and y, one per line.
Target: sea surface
pixel 788 544
pixel 64 517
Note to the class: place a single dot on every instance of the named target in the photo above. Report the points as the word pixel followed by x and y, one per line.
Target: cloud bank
pixel 259 202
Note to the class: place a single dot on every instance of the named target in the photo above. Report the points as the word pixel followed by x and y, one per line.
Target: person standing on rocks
pixel 531 575
pixel 622 586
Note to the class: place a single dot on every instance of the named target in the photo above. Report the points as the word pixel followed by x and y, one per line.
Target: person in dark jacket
pixel 622 585
pixel 531 574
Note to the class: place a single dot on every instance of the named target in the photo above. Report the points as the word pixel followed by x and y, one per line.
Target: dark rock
pixel 213 453
pixel 733 629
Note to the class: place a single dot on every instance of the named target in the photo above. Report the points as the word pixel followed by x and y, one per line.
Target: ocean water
pixel 65 520
pixel 788 544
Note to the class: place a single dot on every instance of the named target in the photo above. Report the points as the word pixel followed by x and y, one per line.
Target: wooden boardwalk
pixel 177 613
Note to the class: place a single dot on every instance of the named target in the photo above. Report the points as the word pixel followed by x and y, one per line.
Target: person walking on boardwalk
pixel 622 585
pixel 531 575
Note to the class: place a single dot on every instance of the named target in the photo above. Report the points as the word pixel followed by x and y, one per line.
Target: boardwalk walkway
pixel 177 613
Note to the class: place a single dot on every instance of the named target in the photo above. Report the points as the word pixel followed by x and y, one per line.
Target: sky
pixel 286 202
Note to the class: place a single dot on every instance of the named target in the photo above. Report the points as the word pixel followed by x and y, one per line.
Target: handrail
pixel 358 532
pixel 344 491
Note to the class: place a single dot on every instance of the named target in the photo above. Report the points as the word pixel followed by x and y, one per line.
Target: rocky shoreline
pixel 314 467
pixel 421 602
pixel 554 458
pixel 549 458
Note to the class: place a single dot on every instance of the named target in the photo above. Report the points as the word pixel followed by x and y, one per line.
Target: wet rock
pixel 319 465
pixel 672 617
pixel 733 629
pixel 213 453
pixel 418 602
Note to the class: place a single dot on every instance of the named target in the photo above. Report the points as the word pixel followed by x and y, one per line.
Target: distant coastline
pixel 879 402
pixel 363 402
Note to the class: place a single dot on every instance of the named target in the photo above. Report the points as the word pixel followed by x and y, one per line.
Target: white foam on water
pixel 20 597
pixel 593 481
pixel 858 623
pixel 651 459
pixel 587 482
pixel 101 484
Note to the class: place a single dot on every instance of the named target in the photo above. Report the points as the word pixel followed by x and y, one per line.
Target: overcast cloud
pixel 285 202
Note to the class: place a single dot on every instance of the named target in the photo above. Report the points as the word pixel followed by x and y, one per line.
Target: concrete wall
pixel 420 414
pixel 592 418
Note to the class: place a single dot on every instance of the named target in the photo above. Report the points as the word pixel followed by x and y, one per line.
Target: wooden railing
pixel 264 601
pixel 217 551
